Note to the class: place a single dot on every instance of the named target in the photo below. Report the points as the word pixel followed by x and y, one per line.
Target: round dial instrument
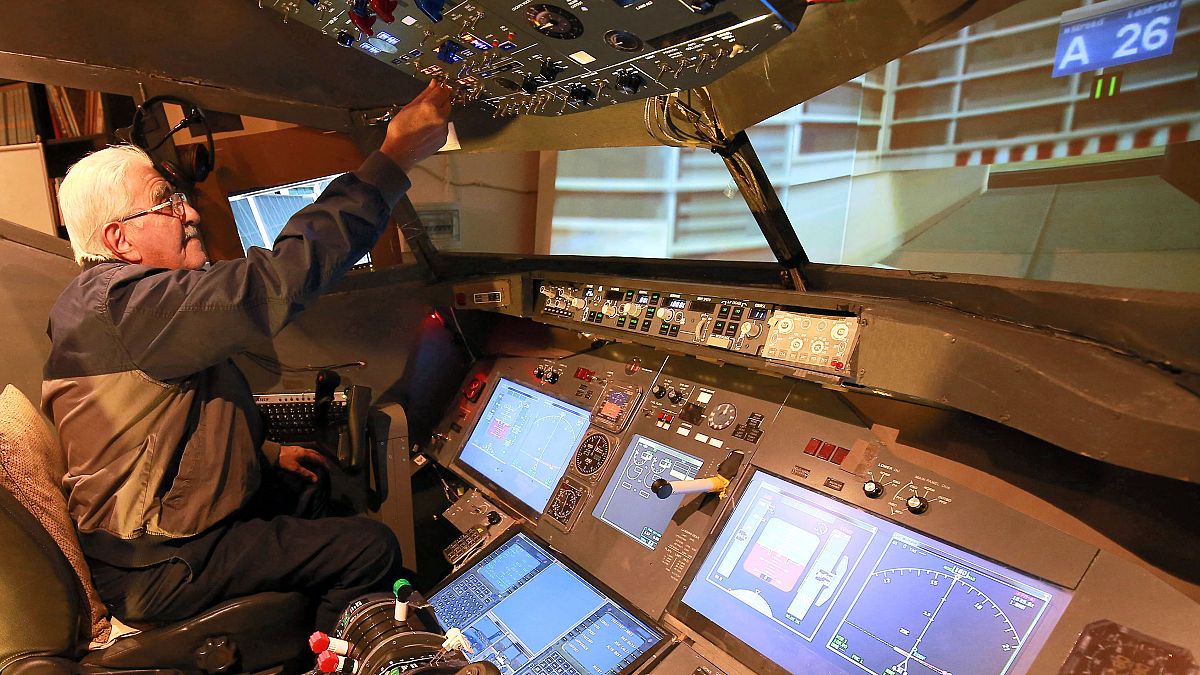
pixel 593 452
pixel 722 416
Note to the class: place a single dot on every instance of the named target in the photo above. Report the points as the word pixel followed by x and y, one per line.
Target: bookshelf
pixel 44 129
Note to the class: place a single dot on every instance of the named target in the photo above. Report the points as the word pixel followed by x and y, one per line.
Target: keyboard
pixel 290 418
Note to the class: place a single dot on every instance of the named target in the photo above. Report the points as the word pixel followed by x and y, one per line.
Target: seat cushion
pixel 30 469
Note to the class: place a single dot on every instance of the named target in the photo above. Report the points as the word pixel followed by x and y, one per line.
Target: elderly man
pixel 164 447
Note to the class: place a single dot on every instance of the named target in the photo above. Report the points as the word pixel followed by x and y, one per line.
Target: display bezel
pixel 652 652
pixel 747 655
pixel 510 500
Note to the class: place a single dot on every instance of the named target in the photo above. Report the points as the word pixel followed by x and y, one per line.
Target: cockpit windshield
pixel 997 150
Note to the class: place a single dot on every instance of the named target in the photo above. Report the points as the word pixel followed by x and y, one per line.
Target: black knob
pixel 550 70
pixel 630 82
pixel 345 39
pixel 658 390
pixel 493 518
pixel 580 93
pixel 530 85
pixel 539 372
pixel 551 377
pixel 917 505
pixel 873 489
pixel 661 488
pixel 675 396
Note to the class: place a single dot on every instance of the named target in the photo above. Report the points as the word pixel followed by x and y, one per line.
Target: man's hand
pixel 420 128
pixel 297 460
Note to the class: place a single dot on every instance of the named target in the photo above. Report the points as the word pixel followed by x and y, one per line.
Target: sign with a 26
pixel 1115 32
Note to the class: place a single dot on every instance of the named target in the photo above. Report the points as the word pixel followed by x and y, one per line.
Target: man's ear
pixel 119 244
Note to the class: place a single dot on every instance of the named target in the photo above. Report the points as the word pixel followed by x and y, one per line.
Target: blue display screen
pixel 527 613
pixel 818 586
pixel 523 441
pixel 628 503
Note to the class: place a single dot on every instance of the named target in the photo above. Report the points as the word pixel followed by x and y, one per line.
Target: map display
pixel 821 587
pixel 523 442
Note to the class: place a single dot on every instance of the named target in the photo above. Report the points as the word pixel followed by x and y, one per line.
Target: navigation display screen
pixel 627 502
pixel 529 614
pixel 818 586
pixel 523 441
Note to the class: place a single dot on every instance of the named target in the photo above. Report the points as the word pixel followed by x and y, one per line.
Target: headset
pixel 195 161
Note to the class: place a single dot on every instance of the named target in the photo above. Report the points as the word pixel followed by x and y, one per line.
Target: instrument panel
pixel 554 58
pixel 787 336
pixel 817 548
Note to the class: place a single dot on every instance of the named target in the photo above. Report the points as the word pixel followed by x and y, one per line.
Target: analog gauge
pixel 554 21
pixel 722 416
pixel 592 454
pixel 564 502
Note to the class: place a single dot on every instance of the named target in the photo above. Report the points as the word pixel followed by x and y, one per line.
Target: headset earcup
pixel 201 163
pixel 172 173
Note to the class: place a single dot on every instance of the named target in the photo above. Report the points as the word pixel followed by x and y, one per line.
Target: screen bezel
pixel 510 500
pixel 749 656
pixel 652 652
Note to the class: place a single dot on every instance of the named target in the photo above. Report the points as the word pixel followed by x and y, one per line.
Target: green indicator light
pixel 1099 86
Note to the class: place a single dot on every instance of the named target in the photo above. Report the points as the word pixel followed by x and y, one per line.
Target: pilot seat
pixel 49 614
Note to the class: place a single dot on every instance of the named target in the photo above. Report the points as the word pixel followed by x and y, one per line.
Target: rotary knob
pixel 546 291
pixel 674 395
pixel 917 505
pixel 629 82
pixel 580 93
pixel 609 310
pixel 578 303
pixel 530 84
pixel 751 329
pixel 664 313
pixel 873 489
pixel 658 391
pixel 551 377
pixel 550 69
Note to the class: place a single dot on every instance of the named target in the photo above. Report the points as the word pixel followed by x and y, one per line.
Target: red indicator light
pixel 814 444
pixel 826 450
pixel 512 36
pixel 837 364
pixel 839 455
pixel 584 374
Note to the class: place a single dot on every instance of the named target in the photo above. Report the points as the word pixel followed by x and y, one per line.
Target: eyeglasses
pixel 177 202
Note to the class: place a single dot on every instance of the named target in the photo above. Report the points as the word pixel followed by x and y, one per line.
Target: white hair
pixel 96 192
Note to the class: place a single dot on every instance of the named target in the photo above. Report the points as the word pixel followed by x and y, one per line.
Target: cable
pixel 277 367
pixel 462 336
pixel 489 186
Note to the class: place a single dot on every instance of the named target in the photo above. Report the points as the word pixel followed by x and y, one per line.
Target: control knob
pixel 530 85
pixel 546 291
pixel 609 311
pixel 550 69
pixel 751 329
pixel 578 303
pixel 627 308
pixel 385 9
pixel 581 94
pixel 674 395
pixel 551 377
pixel 873 489
pixel 658 391
pixel 664 313
pixel 917 505
pixel 345 39
pixel 629 82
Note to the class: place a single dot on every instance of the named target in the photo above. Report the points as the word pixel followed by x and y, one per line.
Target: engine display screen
pixel 523 442
pixel 818 586
pixel 525 611
pixel 627 502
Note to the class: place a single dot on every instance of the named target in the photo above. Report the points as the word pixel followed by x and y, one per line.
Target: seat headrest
pixel 29 455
